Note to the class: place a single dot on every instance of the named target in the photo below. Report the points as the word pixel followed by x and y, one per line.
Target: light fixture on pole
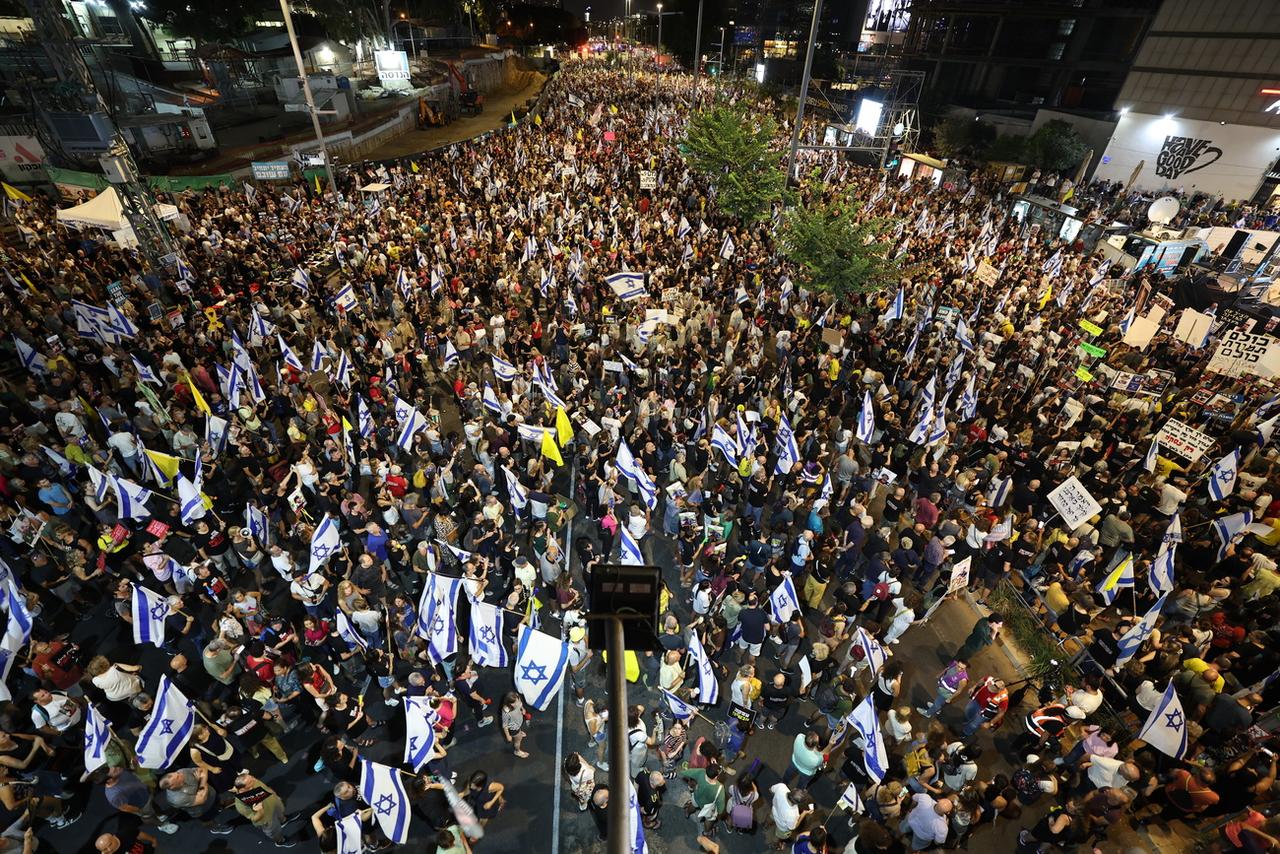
pixel 306 93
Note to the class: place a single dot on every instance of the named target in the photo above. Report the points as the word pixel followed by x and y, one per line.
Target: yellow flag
pixel 579 134
pixel 24 278
pixel 549 449
pixel 564 430
pixel 196 397
pixel 346 425
pixel 413 164
pixel 613 110
pixel 167 464
pixel 513 118
pixel 14 193
pixel 537 120
pixel 318 190
pixel 1044 298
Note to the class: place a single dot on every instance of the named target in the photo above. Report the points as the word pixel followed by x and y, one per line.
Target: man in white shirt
pixel 786 812
pixel 54 712
pixel 1108 771
pixel 1170 500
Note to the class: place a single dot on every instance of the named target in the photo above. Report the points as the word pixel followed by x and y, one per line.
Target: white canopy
pixel 103 211
pixel 375 188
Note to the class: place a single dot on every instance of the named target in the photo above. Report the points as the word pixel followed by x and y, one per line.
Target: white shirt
pixel 1105 771
pixel 117 684
pixel 1170 498
pixel 124 444
pixel 785 814
pixel 61 713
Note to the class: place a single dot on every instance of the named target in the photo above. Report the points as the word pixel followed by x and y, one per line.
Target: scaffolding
pixel 898 126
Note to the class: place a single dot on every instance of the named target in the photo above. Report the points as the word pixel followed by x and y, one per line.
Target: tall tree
pixel 734 149
pixel 835 248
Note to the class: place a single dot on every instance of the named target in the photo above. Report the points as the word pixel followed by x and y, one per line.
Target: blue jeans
pixel 973 719
pixel 938 702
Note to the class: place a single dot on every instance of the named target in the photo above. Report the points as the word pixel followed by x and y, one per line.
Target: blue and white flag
pixel 130 498
pixel 30 358
pixel 876 655
pixel 1128 321
pixel 168 728
pixel 149 610
pixel 190 501
pixel 451 358
pixel 504 370
pixel 97 735
pixel 1222 477
pixel 683 228
pixel 708 684
pixel 490 400
pixel 999 492
pixel 680 710
pixel 485 637
pixel 345 300
pixel 1266 429
pixel 1149 463
pixel 326 541
pixel 350 834
pixel 1078 562
pixel 850 800
pixel 18 629
pixel 1132 640
pixel 216 431
pixel 630 554
pixel 1173 533
pixel 347 631
pixel 1160 575
pixel 898 308
pixel 382 789
pixel 783 601
pixel 145 374
pixel 1229 527
pixel 363 418
pixel 787 450
pixel 1166 726
pixel 64 465
pixel 412 426
pixel 98 481
pixel 969 400
pixel 725 444
pixel 910 354
pixel 636 843
pixel 344 369
pixel 516 492
pixel 301 279
pixel 318 355
pixel 924 426
pixel 631 469
pixel 866 419
pixel 419 732
pixel 962 336
pixel 541 663
pixel 1120 577
pixel 627 286
pixel 867 724
pixel 443 621
pixel 290 358
pixel 258 523
pixel 727 248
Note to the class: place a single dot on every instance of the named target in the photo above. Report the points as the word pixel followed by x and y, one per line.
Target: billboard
pixel 21 159
pixel 393 68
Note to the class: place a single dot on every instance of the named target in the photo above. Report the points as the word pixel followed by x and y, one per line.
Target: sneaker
pixel 287 843
pixel 167 827
pixel 319 766
pixel 64 820
pixel 221 830
pixel 603 766
pixel 923 712
pixel 484 722
pixel 391 701
pixel 580 701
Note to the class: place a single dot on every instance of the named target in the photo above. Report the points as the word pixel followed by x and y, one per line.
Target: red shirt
pixel 58 666
pixel 993 701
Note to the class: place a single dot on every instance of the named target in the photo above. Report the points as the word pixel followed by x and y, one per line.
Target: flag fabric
pixel 541 664
pixel 258 523
pixel 783 601
pixel 1266 429
pixel 196 397
pixel 866 419
pixel 350 834
pixel 168 728
pixel 31 360
pixel 18 628
pixel 1118 578
pixel 64 465
pixel 1222 477
pixel 898 307
pixel 1166 726
pixel 420 732
pixel 216 431
pixel 1000 492
pixel 1128 321
pixel 504 370
pixel 874 756
pixel 1133 639
pixel 1149 464
pixel 629 554
pixel 1228 528
pixel 924 426
pixel 633 471
pixel 708 684
pixel 490 399
pixel 364 419
pixel 382 789
pixel 725 444
pixel 451 357
pixel 1173 532
pixel 190 501
pixel 549 448
pixel 97 735
pixel 876 655
pixel 131 499
pixel 326 540
pixel 443 618
pixel 680 710
pixel 145 374
pixel 636 843
pixel 727 248
pixel 149 610
pixel 787 450
pixel 414 424
pixel 516 492
pixel 347 631
pixel 301 279
pixel 485 638
pixel 1161 574
pixel 627 286
pixel 564 429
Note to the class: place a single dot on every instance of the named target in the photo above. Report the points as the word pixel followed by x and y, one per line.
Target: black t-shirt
pixel 752 621
pixel 1105 649
pixel 775 698
pixel 213 541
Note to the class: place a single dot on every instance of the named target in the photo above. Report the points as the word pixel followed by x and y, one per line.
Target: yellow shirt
pixel 1199 665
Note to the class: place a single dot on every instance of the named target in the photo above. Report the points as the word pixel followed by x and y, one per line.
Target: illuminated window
pixel 781 49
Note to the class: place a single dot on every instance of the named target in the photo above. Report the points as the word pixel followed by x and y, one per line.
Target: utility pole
pixel 697 50
pixel 306 92
pixel 804 88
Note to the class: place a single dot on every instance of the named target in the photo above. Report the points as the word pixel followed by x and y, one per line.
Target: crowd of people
pixel 244 484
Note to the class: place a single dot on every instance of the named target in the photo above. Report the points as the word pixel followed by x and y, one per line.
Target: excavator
pixel 470 102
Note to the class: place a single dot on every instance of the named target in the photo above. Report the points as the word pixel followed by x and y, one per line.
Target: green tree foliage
pixel 1007 147
pixel 835 250
pixel 953 136
pixel 731 147
pixel 220 20
pixel 1056 146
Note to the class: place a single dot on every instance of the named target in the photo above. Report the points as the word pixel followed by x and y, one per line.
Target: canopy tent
pixel 375 188
pixel 102 211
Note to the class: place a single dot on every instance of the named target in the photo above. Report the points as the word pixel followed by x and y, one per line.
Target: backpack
pixel 1026 784
pixel 917 761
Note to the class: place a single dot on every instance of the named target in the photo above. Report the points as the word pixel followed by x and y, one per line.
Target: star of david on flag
pixel 382 789
pixel 485 637
pixel 541 663
pixel 149 610
pixel 167 730
pixel 325 542
pixel 1166 726
pixel 708 685
pixel 420 732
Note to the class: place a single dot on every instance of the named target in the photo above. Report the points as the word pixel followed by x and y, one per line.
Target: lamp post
pixel 697 51
pixel 732 52
pixel 306 92
pixel 804 89
pixel 720 73
pixel 658 46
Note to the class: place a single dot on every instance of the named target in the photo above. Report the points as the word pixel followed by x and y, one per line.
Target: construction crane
pixel 73 101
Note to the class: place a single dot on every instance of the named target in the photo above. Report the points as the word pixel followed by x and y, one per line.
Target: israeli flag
pixel 451 357
pixel 145 374
pixel 898 308
pixel 999 492
pixel 260 329
pixel 1173 533
pixel 318 355
pixel 190 502
pixel 1161 574
pixel 130 498
pixel 149 610
pixel 167 729
pixel 1078 562
pixel 969 400
pixel 634 472
pixel 630 554
pixel 1128 321
pixel 504 370
pixel 382 789
pixel 867 723
pixel 680 710
pixel 683 228
pixel 953 372
pixel 636 843
pixel 708 685
pixel 1166 726
pixel 326 541
pixel 939 429
pixel 348 633
pixel 443 640
pixel 301 279
pixel 290 358
pixel 876 654
pixel 921 432
pixel 258 524
pixel 363 418
pixel 420 732
pixel 344 369
pixel 403 283
pixel 64 465
pixel 787 450
pixel 99 482
pixel 1116 580
pixel 485 637
pixel 783 601
pixel 725 444
pixel 97 735
pixel 1229 527
pixel 490 400
pixel 350 834
pixel 627 286
pixel 215 433
pixel 18 630
pixel 412 426
pixel 541 664
pixel 727 248
pixel 518 494
pixel 345 300
pixel 1149 463
pixel 962 336
pixel 1222 478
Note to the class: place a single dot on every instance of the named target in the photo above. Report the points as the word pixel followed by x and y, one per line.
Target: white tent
pixel 102 211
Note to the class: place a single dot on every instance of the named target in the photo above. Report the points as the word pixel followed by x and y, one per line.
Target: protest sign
pixel 1193 327
pixel 987 274
pixel 1240 353
pixel 1074 503
pixel 1141 332
pixel 1091 328
pixel 1183 439
pixel 959 576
